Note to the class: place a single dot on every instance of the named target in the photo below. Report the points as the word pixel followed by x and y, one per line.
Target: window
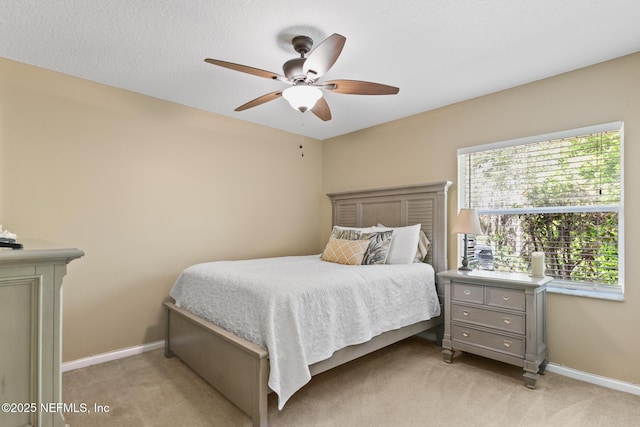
pixel 558 193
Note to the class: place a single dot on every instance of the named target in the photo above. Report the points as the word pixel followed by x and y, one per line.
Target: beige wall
pixel 586 334
pixel 145 188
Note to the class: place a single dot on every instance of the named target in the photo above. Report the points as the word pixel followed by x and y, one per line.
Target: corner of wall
pixel 2 166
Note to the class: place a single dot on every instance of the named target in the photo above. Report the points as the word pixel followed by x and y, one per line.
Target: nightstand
pixel 497 315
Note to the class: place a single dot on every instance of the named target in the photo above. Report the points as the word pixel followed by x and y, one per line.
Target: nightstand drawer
pixel 505 298
pixel 468 293
pixel 491 341
pixel 493 319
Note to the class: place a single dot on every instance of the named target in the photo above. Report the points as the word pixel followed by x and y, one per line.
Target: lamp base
pixel 466 262
pixel 465 265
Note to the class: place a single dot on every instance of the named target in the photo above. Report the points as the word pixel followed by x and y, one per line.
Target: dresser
pixel 497 315
pixel 30 333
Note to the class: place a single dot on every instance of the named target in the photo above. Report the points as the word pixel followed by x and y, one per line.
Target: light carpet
pixel 405 384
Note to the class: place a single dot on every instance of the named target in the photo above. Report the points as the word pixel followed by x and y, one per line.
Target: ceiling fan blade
pixel 357 87
pixel 246 69
pixel 324 56
pixel 260 100
pixel 321 109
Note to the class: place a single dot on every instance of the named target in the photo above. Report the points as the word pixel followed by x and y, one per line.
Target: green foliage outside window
pixel 578 246
pixel 561 197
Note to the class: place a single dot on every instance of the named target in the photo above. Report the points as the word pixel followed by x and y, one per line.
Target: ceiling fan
pixel 303 73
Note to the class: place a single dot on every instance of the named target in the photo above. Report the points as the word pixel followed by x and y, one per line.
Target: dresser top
pixel 484 277
pixel 36 251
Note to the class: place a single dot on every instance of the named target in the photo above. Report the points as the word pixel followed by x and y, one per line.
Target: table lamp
pixel 466 223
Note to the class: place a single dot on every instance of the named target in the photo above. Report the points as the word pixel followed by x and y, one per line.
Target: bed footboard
pixel 237 368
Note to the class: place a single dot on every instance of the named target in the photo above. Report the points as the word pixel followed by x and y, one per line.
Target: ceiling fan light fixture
pixel 302 97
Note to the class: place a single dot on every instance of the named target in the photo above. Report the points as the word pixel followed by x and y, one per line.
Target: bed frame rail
pixel 235 367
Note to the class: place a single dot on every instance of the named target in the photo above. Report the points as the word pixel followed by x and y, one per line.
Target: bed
pixel 237 366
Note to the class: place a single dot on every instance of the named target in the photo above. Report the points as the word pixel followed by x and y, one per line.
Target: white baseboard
pixel 551 367
pixel 112 355
pixel 594 379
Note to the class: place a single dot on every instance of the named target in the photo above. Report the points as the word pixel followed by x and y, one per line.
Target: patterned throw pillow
pixel 344 251
pixel 379 243
pixel 345 233
pixel 423 247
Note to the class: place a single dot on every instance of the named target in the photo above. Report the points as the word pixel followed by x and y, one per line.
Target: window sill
pixel 587 292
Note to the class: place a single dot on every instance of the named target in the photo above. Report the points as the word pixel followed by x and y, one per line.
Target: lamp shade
pixel 302 97
pixel 467 222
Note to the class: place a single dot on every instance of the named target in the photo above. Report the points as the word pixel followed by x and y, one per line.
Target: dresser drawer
pixel 493 319
pixel 505 298
pixel 492 341
pixel 468 293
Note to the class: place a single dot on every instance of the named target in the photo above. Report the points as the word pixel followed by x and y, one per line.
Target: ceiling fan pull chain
pixel 302 133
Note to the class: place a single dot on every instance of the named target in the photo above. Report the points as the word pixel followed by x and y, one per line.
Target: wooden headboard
pixel 424 204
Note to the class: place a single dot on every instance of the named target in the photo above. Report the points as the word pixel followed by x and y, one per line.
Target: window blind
pixel 560 193
pixel 579 173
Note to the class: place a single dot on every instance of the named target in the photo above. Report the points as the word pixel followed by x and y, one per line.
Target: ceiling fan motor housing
pixel 293 70
pixel 302 44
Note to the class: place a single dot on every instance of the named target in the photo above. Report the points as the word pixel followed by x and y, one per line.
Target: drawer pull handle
pixel 507 344
pixel 505 298
pixel 465 313
pixel 467 292
pixel 465 334
pixel 507 320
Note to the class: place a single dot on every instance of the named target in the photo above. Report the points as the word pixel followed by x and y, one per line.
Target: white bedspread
pixel 303 309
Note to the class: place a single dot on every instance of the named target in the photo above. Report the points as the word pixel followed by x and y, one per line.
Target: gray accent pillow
pixel 345 233
pixel 379 243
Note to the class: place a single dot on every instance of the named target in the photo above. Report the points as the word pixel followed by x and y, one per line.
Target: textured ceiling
pixel 437 52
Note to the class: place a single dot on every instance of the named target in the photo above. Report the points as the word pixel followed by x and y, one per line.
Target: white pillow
pixel 404 244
